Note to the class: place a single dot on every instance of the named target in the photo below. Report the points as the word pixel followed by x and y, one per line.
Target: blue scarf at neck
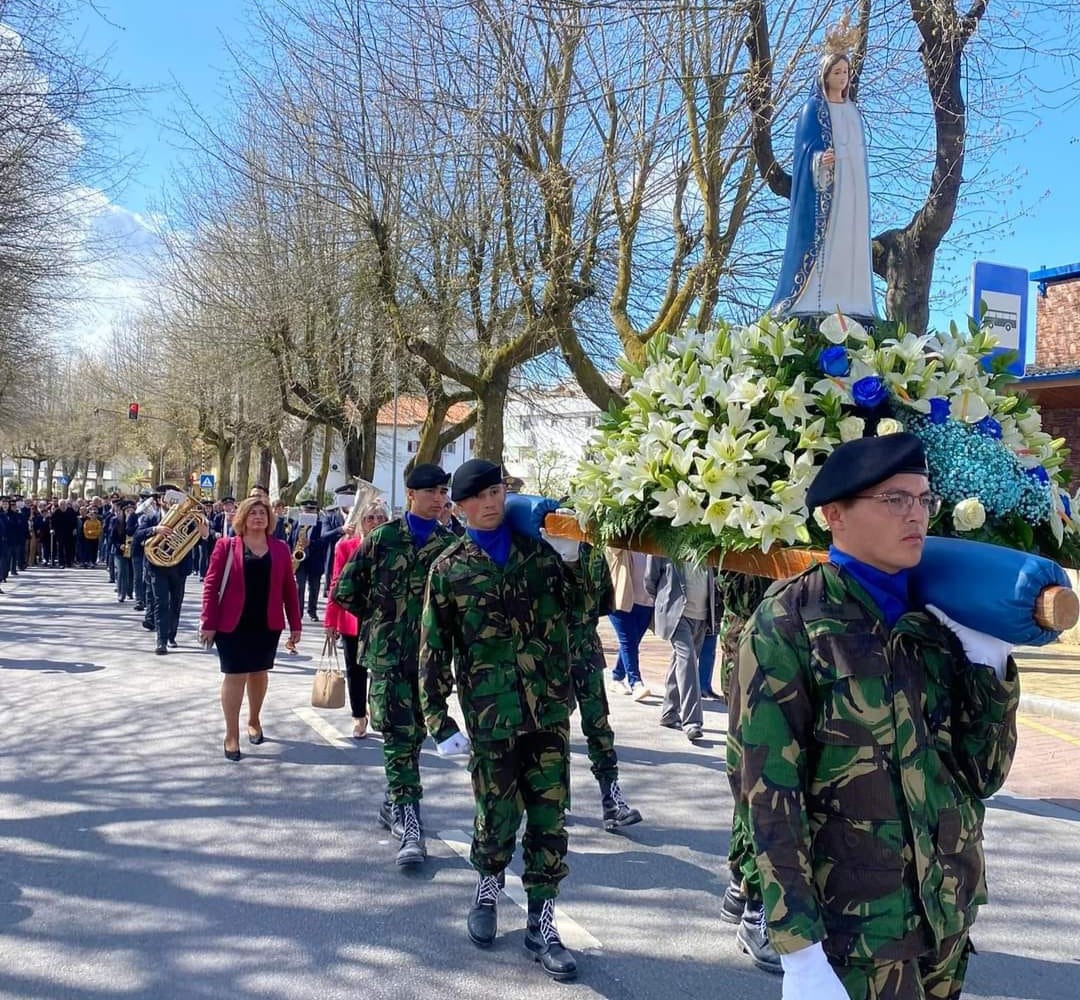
pixel 889 590
pixel 420 527
pixel 496 543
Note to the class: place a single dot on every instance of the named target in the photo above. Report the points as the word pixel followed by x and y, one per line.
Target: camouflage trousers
pixel 599 737
pixel 742 859
pixel 529 774
pixel 937 975
pixel 394 703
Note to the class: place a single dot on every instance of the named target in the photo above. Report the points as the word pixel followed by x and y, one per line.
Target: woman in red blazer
pixel 248 592
pixel 340 622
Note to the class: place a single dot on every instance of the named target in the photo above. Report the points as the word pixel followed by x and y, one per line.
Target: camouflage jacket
pixel 859 759
pixel 383 585
pixel 592 598
pixel 505 630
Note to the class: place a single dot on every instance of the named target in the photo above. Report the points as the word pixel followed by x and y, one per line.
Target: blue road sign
pixel 63 480
pixel 1004 290
pixel 206 481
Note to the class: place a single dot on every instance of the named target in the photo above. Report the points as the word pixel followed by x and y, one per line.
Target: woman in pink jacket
pixel 340 622
pixel 248 592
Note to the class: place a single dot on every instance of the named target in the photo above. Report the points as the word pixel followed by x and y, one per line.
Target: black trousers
pixel 168 585
pixel 355 677
pixel 67 549
pixel 308 577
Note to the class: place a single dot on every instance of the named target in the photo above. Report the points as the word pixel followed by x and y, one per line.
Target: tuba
pixel 186 520
pixel 365 493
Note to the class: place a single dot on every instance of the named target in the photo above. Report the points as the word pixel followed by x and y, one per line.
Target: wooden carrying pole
pixel 1056 608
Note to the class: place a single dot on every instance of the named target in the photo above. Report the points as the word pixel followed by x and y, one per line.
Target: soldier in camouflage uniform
pixel 739 596
pixel 587 673
pixel 497 609
pixel 870 730
pixel 383 585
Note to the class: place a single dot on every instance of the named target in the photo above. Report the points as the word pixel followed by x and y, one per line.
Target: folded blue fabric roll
pixel 987 587
pixel 525 512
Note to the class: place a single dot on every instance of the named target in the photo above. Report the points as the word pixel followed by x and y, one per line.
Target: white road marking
pixel 572 933
pixel 324 729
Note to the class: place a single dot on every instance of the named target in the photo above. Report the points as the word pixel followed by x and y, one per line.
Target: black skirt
pixel 251 646
pixel 246 650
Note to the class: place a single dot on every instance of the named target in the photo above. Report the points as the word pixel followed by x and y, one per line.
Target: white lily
pixel 791 403
pixel 681 505
pixel 717 513
pixel 778 525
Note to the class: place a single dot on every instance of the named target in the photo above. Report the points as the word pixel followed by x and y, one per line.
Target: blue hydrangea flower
pixel 990 427
pixel 834 361
pixel 1039 474
pixel 869 392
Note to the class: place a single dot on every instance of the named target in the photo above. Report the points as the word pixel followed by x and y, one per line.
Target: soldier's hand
pixel 567 548
pixel 987 650
pixel 454 746
pixel 808 976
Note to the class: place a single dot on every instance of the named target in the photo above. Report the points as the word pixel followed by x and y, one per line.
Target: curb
pixel 1054 708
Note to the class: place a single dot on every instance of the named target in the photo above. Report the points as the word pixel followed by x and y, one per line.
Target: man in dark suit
pixel 65 522
pixel 310 570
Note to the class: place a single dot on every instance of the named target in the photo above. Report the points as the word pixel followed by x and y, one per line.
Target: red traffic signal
pixel 133 411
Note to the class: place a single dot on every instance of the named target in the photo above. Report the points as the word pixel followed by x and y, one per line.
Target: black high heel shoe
pixel 232 755
pixel 257 738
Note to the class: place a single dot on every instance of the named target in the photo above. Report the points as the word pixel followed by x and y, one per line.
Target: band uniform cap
pixel 228 499
pixel 473 476
pixel 856 465
pixel 345 488
pixel 426 476
pixel 145 494
pixel 309 504
pixel 164 488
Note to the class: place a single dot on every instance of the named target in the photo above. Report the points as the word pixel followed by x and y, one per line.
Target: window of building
pixel 450 449
pixel 412 446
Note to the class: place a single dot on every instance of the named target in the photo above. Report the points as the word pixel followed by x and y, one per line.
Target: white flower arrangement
pixel 722 433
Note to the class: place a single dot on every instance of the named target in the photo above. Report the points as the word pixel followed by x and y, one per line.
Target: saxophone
pixel 186 520
pixel 300 551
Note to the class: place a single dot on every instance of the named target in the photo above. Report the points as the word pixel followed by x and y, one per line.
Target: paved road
pixel 136 862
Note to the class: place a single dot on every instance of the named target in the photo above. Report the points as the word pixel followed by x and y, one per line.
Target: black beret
pixel 472 477
pixel 426 476
pixel 864 462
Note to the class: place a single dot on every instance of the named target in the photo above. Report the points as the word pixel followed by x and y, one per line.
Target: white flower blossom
pixel 969 514
pixel 889 426
pixel 851 428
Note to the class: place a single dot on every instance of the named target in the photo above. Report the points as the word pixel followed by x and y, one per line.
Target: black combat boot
pixel 734 902
pixel 753 938
pixel 542 941
pixel 413 850
pixel 616 810
pixel 483 920
pixel 390 818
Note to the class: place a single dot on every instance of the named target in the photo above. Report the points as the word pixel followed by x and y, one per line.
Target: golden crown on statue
pixel 841 38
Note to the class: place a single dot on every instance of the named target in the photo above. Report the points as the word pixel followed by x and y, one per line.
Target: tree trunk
pixel 265 461
pixel 324 464
pixel 37 475
pixel 490 408
pixel 50 471
pixel 243 469
pixel 225 450
pixel 288 488
pixel 908 273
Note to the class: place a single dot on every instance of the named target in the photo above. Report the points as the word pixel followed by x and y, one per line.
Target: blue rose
pixel 1066 506
pixel 869 393
pixel 990 427
pixel 1039 473
pixel 939 410
pixel 834 361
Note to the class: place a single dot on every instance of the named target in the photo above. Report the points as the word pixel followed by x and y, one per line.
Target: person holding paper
pixel 870 729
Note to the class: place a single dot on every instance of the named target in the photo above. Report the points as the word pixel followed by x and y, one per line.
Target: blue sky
pixel 158 44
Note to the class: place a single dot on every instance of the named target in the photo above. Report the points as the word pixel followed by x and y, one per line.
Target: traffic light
pixel 133 411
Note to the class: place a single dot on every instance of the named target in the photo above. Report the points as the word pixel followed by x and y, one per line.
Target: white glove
pixel 986 650
pixel 808 976
pixel 568 548
pixel 454 746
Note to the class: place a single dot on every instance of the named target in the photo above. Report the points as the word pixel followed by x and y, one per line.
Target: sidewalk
pixel 1049 675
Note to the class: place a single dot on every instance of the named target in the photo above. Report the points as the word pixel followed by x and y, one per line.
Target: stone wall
pixel 1066 423
pixel 1057 322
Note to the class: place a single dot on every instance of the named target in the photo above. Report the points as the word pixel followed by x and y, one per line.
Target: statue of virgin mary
pixel 827 264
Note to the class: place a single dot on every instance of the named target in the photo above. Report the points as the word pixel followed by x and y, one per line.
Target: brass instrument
pixel 300 551
pixel 186 520
pixel 365 493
